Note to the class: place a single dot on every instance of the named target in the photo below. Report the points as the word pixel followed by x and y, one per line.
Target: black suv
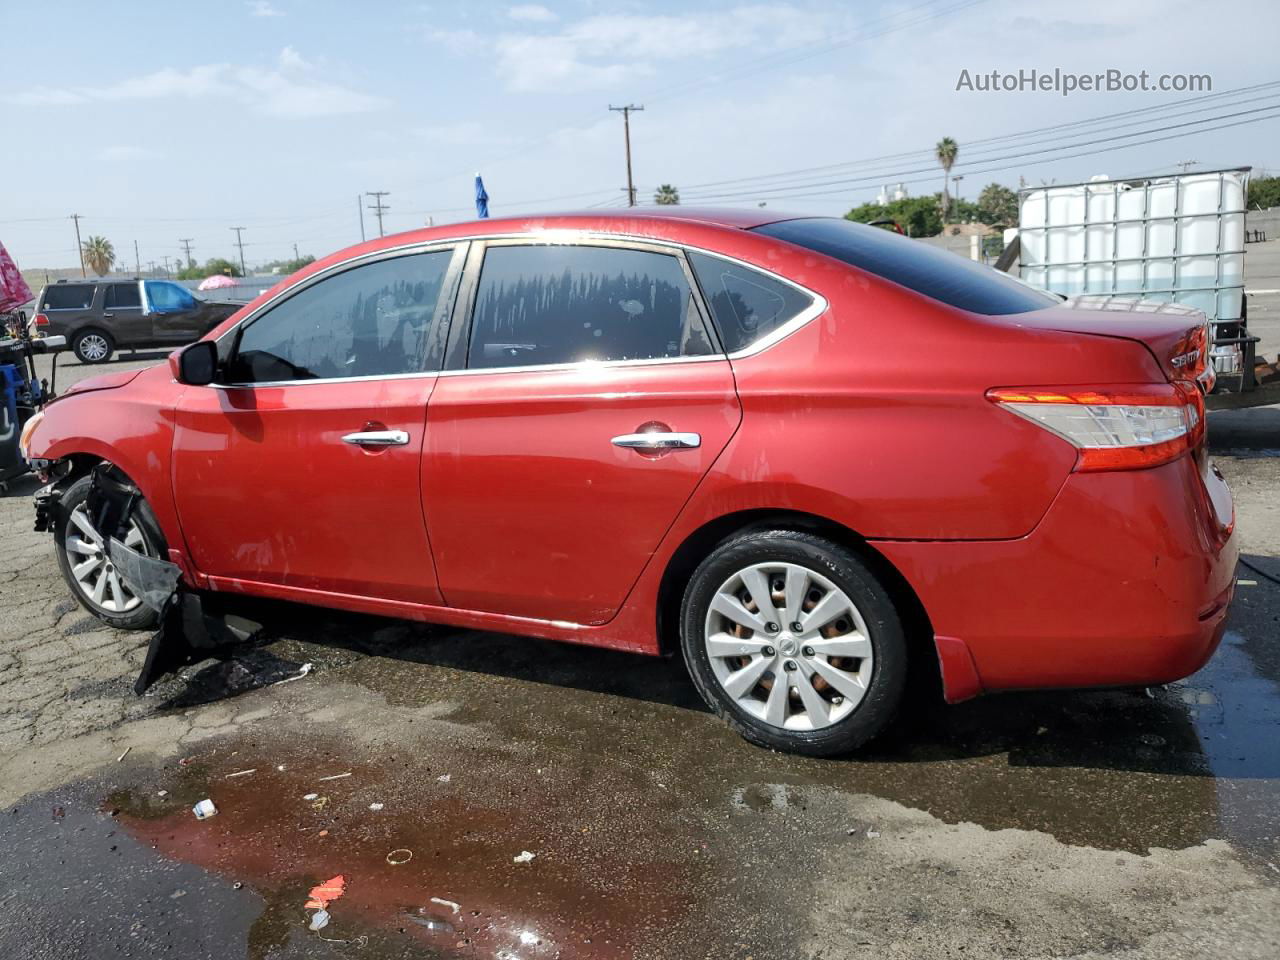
pixel 99 316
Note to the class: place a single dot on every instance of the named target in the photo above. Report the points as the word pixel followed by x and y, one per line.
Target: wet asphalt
pixel 419 762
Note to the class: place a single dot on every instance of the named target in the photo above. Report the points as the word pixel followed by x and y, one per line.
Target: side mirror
pixel 195 365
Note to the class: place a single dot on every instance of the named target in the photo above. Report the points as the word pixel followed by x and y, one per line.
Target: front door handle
pixel 377 438
pixel 658 441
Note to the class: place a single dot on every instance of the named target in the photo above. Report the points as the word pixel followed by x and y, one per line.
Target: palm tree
pixel 99 254
pixel 667 195
pixel 946 152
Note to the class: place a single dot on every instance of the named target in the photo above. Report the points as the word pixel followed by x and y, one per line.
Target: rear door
pixel 123 314
pixel 301 470
pixel 582 405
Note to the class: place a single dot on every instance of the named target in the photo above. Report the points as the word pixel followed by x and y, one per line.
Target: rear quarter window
pixel 747 306
pixel 69 296
pixel 935 273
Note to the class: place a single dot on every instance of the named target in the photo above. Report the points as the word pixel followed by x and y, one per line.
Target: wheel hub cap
pixel 93 574
pixel 803 679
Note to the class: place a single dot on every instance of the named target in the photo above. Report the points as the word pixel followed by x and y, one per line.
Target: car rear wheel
pixel 794 642
pixel 88 570
pixel 93 346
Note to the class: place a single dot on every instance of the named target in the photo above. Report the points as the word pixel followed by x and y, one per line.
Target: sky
pixel 157 124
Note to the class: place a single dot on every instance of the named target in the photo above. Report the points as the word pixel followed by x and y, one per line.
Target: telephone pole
pixel 360 210
pixel 626 133
pixel 79 245
pixel 378 206
pixel 186 245
pixel 240 244
pixel 137 260
pixel 296 255
pixel 166 267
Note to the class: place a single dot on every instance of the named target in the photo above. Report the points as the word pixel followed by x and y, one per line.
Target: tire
pixel 123 610
pixel 857 640
pixel 93 345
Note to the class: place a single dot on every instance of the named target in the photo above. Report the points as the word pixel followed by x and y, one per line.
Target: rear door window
pixel 69 296
pixel 560 304
pixel 122 296
pixel 938 274
pixel 167 297
pixel 747 306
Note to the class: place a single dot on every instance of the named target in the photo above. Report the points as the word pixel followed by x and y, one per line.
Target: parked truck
pixel 1177 238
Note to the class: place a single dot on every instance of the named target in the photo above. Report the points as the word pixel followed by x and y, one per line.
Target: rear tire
pixel 93 346
pixel 116 606
pixel 781 607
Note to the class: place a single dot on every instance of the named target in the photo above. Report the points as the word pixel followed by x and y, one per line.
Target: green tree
pixel 998 206
pixel 946 151
pixel 99 254
pixel 666 195
pixel 195 271
pixel 918 216
pixel 287 266
pixel 1264 192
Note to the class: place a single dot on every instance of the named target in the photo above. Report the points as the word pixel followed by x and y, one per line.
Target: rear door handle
pixel 658 441
pixel 377 438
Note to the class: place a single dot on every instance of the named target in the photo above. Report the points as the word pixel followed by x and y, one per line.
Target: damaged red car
pixel 817 459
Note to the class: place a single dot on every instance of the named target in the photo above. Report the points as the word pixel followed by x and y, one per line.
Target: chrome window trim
pixel 551 236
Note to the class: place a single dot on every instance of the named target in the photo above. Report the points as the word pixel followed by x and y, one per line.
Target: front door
pixel 591 402
pixel 302 470
pixel 174 313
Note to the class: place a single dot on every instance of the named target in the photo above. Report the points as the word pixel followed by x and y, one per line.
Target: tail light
pixel 41 320
pixel 1126 427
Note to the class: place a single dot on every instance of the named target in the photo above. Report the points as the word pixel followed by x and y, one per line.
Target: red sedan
pixel 804 452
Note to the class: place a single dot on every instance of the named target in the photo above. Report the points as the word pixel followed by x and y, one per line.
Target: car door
pixel 174 313
pixel 123 314
pixel 584 402
pixel 301 470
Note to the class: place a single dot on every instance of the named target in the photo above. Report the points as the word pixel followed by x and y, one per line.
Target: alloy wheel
pixel 788 646
pixel 93 347
pixel 92 571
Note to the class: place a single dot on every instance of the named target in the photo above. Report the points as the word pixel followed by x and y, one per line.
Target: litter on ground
pixel 524 857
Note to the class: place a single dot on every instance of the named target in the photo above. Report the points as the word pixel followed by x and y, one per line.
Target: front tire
pixel 793 641
pixel 93 346
pixel 88 571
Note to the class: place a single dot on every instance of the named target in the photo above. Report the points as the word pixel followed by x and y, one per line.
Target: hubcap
pixel 813 673
pixel 93 347
pixel 92 571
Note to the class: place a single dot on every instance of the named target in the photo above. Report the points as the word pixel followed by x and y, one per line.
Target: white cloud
pixel 122 153
pixel 606 49
pixel 262 8
pixel 288 89
pixel 531 13
pixel 464 133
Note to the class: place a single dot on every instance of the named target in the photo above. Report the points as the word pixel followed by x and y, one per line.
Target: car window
pixel 168 297
pixel 746 305
pixel 936 273
pixel 566 304
pixel 68 296
pixel 372 320
pixel 122 295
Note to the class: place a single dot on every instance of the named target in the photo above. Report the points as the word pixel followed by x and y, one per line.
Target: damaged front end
pixel 191 624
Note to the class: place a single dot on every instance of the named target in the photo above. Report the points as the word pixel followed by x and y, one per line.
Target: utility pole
pixel 137 261
pixel 296 255
pixel 166 267
pixel 1186 164
pixel 240 244
pixel 186 244
pixel 79 245
pixel 626 133
pixel 378 206
pixel 360 210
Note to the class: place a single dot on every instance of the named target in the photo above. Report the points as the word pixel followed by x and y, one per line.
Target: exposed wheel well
pixel 705 539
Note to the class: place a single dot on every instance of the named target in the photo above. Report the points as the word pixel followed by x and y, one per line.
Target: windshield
pixel 928 270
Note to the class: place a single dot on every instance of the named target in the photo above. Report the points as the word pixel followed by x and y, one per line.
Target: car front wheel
pixel 87 569
pixel 794 642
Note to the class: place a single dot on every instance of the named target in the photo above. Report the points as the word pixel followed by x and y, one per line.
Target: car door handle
pixel 377 438
pixel 658 441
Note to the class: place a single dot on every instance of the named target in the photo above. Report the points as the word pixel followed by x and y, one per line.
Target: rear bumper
pixel 1126 581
